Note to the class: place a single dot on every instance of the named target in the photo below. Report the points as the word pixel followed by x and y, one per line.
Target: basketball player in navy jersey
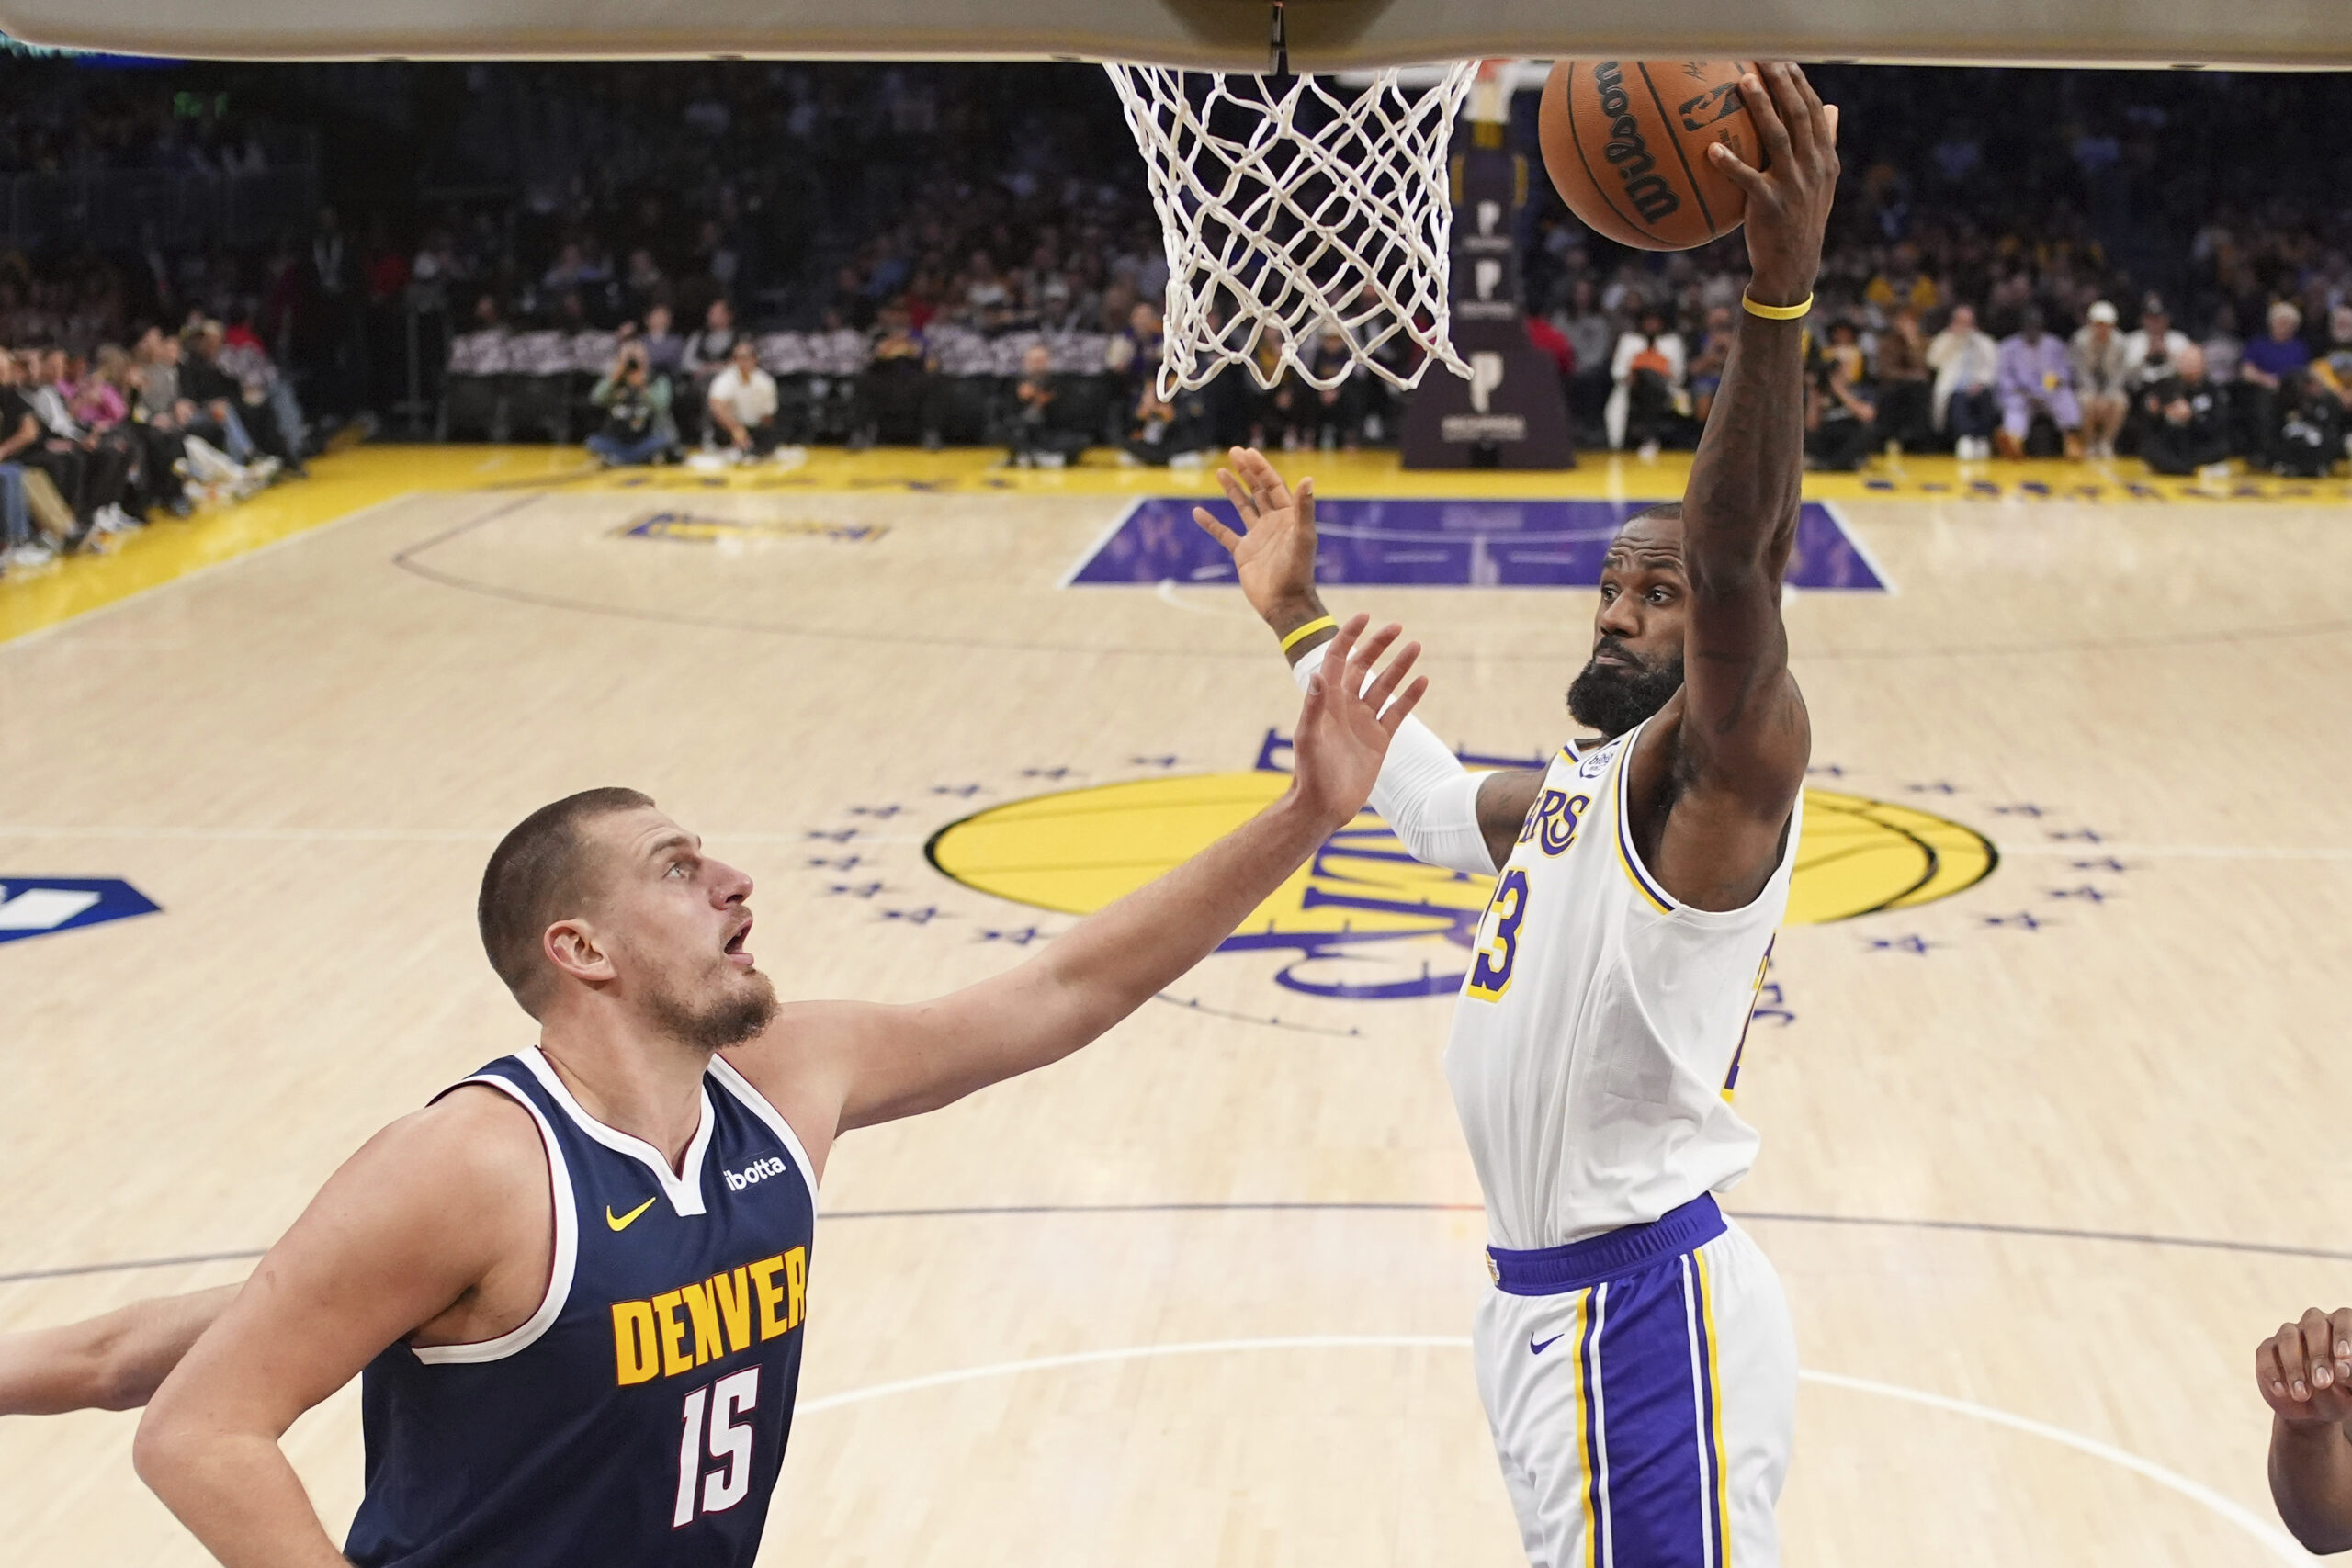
pixel 574 1286
pixel 1635 1357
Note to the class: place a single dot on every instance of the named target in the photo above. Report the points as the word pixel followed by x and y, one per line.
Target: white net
pixel 1309 225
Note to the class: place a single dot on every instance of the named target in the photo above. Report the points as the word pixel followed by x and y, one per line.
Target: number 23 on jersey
pixel 1490 977
pixel 1553 824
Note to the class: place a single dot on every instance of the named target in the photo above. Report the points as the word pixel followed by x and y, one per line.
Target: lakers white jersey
pixel 1598 1031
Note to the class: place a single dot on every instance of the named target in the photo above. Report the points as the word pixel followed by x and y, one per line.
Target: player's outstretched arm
pixel 113 1361
pixel 1741 747
pixel 2304 1373
pixel 1439 812
pixel 894 1062
pixel 417 1223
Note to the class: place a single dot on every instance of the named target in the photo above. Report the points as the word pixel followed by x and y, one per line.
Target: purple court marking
pixel 1444 544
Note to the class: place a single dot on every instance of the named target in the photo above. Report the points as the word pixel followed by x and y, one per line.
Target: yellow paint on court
pixel 351 481
pixel 1079 850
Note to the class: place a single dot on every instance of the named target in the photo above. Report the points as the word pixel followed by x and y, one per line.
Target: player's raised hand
pixel 1789 196
pixel 1274 551
pixel 1350 718
pixel 2305 1371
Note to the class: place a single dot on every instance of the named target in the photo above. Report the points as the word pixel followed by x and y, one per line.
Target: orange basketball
pixel 1626 144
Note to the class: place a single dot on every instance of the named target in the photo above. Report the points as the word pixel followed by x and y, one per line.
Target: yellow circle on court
pixel 1075 851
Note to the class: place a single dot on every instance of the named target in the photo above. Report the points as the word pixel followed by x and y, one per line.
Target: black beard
pixel 1613 699
pixel 728 1021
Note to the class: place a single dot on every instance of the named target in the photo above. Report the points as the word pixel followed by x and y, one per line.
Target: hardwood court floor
pixel 2043 1158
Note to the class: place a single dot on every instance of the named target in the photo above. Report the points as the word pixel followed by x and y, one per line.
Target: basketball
pixel 1627 141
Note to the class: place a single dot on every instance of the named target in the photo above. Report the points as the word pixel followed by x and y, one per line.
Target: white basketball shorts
pixel 1642 1390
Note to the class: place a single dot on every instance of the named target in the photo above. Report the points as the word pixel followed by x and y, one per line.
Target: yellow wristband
pixel 1321 623
pixel 1777 313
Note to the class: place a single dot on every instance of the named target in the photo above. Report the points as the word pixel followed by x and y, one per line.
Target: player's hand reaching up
pixel 1274 552
pixel 2305 1371
pixel 1344 730
pixel 1789 196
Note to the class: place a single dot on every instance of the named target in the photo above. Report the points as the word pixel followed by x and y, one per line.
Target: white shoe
pixel 33 554
pixel 1648 452
pixel 2213 473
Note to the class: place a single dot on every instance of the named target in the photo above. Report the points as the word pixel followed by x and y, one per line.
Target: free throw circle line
pixel 2273 1539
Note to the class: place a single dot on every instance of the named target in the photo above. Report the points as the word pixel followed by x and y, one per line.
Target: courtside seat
pixel 474 391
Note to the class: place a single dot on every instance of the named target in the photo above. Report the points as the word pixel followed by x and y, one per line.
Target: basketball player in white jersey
pixel 493 1266
pixel 1635 1356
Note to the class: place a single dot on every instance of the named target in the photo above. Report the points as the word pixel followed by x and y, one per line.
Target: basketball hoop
pixel 1293 210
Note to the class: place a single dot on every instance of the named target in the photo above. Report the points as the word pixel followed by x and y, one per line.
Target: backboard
pixel 1231 35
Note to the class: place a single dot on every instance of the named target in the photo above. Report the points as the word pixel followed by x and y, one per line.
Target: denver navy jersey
pixel 638 1418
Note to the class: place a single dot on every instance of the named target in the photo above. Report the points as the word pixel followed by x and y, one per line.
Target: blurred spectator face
pixel 744 360
pixel 2284 320
pixel 1144 319
pixel 1719 320
pixel 52 367
pixel 485 313
pixel 1963 320
pixel 2191 361
pixel 2030 325
pixel 2339 324
pixel 720 317
pixel 1906 321
pixel 1651 323
pixel 1038 362
pixel 657 321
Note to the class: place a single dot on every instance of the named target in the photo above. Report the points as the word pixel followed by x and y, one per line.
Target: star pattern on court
pixel 1912 943
pixel 2022 920
pixel 2085 893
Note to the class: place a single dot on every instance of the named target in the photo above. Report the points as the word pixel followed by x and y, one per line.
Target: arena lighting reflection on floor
pixel 1444 544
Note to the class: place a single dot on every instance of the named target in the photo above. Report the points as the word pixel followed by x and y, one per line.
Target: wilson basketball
pixel 1626 144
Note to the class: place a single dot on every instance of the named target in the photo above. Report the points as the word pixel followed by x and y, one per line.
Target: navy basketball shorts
pixel 1641 1386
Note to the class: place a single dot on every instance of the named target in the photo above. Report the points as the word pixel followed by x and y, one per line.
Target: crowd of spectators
pixel 1909 366
pixel 720 262
pixel 94 446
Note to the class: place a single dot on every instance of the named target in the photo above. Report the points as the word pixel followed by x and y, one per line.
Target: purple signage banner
pixel 1443 544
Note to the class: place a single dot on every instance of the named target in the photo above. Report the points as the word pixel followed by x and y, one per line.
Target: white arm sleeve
pixel 1424 794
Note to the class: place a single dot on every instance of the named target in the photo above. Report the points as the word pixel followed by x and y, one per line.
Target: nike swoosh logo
pixel 623 1221
pixel 1533 1347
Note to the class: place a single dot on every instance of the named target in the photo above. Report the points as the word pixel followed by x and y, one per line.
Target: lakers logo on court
pixel 1363 919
